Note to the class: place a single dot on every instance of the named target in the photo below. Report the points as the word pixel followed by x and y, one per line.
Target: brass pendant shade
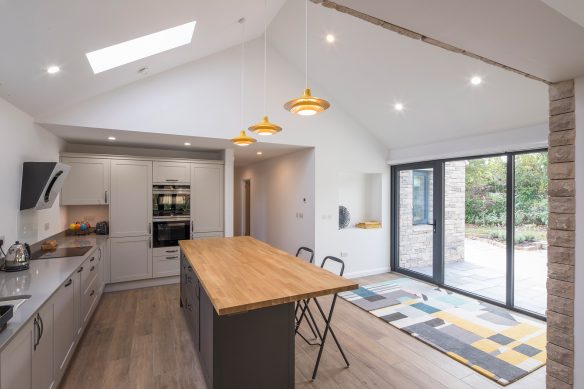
pixel 265 127
pixel 243 139
pixel 307 105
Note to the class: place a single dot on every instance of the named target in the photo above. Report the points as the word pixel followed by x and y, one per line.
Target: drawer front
pixel 89 299
pixel 89 272
pixel 166 266
pixel 166 251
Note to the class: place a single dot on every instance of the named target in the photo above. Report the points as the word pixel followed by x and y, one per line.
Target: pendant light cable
pixel 265 56
pixel 306 43
pixel 242 21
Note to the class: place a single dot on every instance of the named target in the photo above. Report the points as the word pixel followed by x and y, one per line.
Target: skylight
pixel 145 46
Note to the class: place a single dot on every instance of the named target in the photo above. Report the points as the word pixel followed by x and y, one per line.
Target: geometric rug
pixel 500 344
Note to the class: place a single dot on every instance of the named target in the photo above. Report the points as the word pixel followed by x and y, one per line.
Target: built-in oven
pixel 168 231
pixel 171 201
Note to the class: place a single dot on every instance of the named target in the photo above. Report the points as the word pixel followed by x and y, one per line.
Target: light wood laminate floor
pixel 139 339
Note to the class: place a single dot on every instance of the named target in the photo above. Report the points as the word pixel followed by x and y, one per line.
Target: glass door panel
pixel 530 228
pixel 416 220
pixel 475 219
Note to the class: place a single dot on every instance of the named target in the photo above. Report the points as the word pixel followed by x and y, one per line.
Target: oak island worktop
pixel 238 296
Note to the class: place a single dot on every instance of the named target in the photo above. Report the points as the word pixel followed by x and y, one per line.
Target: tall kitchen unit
pixel 207 200
pixel 131 220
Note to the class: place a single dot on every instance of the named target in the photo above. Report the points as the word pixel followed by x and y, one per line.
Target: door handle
pixel 433 225
pixel 106 196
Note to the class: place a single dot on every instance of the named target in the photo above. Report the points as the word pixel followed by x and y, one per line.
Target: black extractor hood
pixel 41 183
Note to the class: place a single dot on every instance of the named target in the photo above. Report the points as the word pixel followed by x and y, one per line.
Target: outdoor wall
pixel 25 142
pixel 282 200
pixel 416 241
pixel 202 99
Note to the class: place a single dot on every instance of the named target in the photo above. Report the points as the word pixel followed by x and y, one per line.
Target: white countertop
pixel 41 281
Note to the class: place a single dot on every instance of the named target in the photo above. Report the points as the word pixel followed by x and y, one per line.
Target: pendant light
pixel 265 127
pixel 306 105
pixel 243 139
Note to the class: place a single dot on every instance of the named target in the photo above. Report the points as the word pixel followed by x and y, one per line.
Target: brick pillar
pixel 561 236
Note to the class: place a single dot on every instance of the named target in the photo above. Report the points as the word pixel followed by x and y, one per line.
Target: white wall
pixel 525 138
pixel 23 141
pixel 202 99
pixel 282 188
pixel 579 303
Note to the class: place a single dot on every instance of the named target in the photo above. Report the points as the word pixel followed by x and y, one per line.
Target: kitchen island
pixel 238 296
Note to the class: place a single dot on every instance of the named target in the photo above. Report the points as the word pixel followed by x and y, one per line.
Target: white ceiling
pixel 97 136
pixel 37 33
pixel 525 34
pixel 369 68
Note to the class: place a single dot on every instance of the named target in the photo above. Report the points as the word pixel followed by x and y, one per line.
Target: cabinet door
pixel 64 328
pixel 130 258
pixel 42 356
pixel 78 293
pixel 131 198
pixel 16 360
pixel 168 172
pixel 87 182
pixel 207 197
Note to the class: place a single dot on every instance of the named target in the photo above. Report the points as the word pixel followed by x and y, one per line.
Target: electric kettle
pixel 18 257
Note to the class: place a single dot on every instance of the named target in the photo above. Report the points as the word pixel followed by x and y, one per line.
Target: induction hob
pixel 61 253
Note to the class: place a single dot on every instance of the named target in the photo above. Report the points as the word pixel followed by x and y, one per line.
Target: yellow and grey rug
pixel 498 343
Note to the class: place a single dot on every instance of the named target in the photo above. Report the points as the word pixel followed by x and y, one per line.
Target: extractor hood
pixel 41 183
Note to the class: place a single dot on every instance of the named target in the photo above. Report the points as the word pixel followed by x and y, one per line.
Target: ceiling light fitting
pixel 476 80
pixel 111 138
pixel 398 106
pixel 306 105
pixel 53 69
pixel 330 38
pixel 243 139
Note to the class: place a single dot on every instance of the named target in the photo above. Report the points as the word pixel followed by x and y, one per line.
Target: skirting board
pixel 371 272
pixel 119 286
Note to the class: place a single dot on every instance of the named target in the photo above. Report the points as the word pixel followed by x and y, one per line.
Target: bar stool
pixel 328 318
pixel 306 254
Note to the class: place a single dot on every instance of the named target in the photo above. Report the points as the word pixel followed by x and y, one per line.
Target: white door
pixel 16 360
pixel 64 327
pixel 168 172
pixel 130 258
pixel 87 182
pixel 42 356
pixel 207 197
pixel 131 198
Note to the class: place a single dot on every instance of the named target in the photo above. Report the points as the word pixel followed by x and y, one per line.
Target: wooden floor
pixel 139 339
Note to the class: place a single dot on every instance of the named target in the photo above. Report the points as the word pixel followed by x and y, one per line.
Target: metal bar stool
pixel 305 253
pixel 328 318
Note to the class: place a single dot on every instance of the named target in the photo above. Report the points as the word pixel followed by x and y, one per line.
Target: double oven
pixel 171 219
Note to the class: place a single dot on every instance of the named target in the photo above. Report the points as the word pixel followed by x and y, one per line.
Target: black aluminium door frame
pixel 437 215
pixel 438 198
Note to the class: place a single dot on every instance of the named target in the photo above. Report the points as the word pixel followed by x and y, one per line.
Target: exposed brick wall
pixel 561 236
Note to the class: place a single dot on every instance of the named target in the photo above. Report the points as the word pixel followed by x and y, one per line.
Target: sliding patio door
pixel 475 225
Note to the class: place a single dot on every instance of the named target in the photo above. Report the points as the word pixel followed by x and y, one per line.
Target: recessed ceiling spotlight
pixel 476 80
pixel 53 69
pixel 187 143
pixel 259 153
pixel 111 138
pixel 330 38
pixel 398 106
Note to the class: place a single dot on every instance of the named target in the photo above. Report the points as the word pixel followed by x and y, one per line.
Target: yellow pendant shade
pixel 243 139
pixel 307 105
pixel 265 127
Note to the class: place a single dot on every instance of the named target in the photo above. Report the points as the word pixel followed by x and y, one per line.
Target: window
pixel 421 196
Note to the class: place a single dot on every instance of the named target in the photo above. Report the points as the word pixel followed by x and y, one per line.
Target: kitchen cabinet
pixel 171 172
pixel 131 198
pixel 87 182
pixel 65 331
pixel 166 265
pixel 207 197
pixel 131 258
pixel 16 360
pixel 202 235
pixel 42 356
pixel 190 293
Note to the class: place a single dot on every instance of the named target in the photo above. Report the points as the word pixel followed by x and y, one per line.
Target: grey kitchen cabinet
pixel 16 360
pixel 131 198
pixel 207 196
pixel 42 356
pixel 171 172
pixel 131 258
pixel 87 183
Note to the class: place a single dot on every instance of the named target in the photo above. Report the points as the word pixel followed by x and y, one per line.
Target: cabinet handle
pixel 35 332
pixel 172 251
pixel 149 228
pixel 69 282
pixel 80 269
pixel 106 196
pixel 170 180
pixel 150 242
pixel 92 268
pixel 175 257
pixel 92 293
pixel 92 259
pixel 42 326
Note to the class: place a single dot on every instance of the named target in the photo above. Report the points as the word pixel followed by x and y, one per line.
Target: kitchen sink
pixel 16 300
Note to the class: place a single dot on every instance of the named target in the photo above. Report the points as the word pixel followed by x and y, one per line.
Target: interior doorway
pixel 247 207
